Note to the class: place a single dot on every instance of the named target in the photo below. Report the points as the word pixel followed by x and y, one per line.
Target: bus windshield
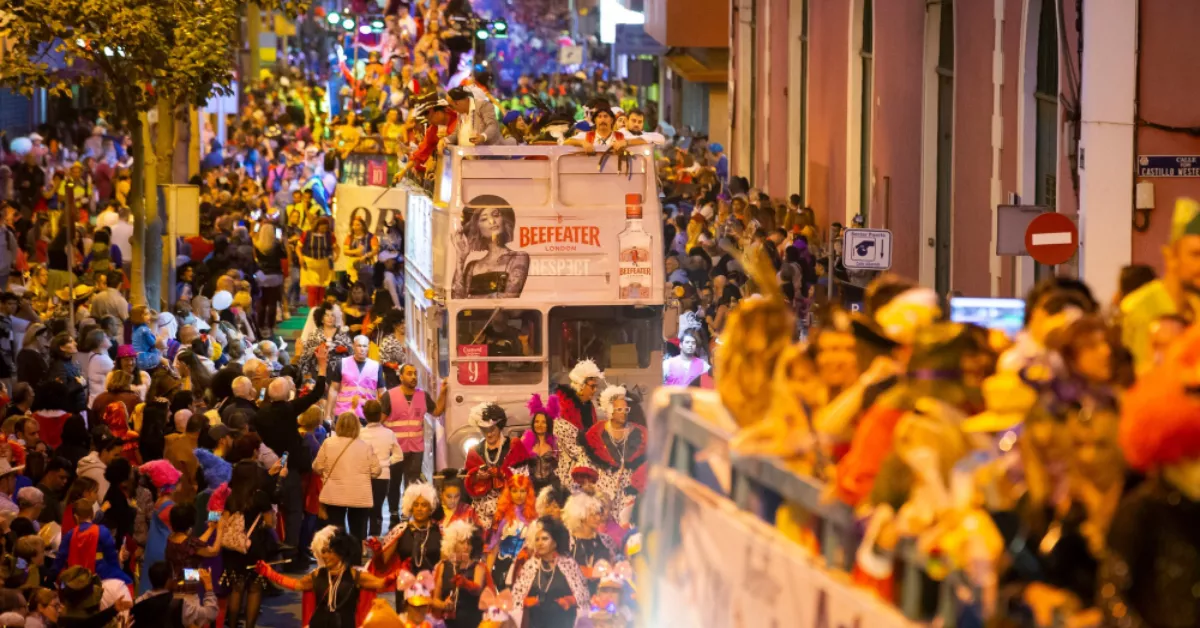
pixel 616 337
pixel 499 333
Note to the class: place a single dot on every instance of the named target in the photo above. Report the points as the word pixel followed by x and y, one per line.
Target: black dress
pixel 587 552
pixel 420 550
pixel 548 588
pixel 338 610
pixel 466 603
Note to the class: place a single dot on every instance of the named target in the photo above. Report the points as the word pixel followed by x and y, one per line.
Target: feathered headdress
pixel 488 415
pixel 161 473
pixel 583 371
pixel 551 411
pixel 550 408
pixel 216 501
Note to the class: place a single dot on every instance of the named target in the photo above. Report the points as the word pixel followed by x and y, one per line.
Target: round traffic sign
pixel 1051 239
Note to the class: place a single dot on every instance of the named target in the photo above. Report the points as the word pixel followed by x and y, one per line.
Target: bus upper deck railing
pixel 682 442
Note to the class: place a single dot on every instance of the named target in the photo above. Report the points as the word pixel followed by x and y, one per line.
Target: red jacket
pixel 429 144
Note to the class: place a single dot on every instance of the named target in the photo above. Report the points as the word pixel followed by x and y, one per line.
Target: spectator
pixel 94 464
pixel 179 451
pixel 387 450
pixel 52 485
pixel 346 493
pixel 98 364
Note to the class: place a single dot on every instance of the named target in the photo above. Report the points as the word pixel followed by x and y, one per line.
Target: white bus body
pixel 549 212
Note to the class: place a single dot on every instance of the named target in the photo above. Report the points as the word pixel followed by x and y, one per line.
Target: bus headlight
pixel 470 443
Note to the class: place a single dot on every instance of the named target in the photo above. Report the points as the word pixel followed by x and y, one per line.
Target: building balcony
pixel 688 23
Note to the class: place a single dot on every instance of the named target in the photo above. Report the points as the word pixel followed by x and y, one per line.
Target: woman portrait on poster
pixel 389 232
pixel 361 247
pixel 487 268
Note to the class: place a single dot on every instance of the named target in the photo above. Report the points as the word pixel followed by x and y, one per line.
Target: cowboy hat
pixel 81 292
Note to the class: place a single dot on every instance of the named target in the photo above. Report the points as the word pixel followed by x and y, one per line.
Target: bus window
pixel 499 333
pixel 622 338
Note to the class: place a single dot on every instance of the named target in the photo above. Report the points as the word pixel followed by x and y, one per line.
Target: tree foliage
pixel 126 53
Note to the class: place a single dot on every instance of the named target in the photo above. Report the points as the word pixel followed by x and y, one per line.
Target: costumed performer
pixel 413 545
pixel 460 578
pixel 577 414
pixel 616 447
pixel 493 461
pixel 454 507
pixel 550 586
pixel 514 512
pixel 336 585
pixel 540 442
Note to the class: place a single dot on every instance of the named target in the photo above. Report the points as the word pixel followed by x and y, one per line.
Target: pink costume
pixel 680 371
pixel 356 381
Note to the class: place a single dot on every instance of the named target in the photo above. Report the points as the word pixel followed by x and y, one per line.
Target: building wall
pixel 829 29
pixel 1169 83
pixel 994 136
pixel 972 228
pixel 895 159
pixel 718 113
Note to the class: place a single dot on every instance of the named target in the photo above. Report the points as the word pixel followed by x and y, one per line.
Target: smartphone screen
pixel 214 516
pixel 191 575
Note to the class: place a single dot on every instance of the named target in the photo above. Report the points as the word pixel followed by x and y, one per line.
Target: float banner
pixel 729 569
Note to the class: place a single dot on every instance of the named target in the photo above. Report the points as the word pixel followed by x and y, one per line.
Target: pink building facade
pixel 924 116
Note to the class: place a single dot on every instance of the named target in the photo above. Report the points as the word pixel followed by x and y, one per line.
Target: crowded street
pixel 599 314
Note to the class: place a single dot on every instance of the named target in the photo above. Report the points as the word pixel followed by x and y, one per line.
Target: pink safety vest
pixel 356 382
pixel 407 420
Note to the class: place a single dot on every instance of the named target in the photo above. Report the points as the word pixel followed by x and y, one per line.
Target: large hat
pixel 585 370
pixel 161 473
pixel 6 467
pixel 81 292
pixel 488 415
pixel 1009 399
pixel 126 351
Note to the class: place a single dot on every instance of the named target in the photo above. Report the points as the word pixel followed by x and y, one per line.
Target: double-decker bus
pixel 523 261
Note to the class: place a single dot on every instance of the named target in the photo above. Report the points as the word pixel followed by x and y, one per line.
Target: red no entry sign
pixel 1051 239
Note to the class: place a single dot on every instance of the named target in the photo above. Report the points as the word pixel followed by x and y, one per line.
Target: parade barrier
pixel 715 557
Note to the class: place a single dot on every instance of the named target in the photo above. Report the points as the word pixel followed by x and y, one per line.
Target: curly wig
pixel 488 415
pixel 506 508
pixel 577 509
pixel 552 494
pixel 558 533
pixel 455 533
pixel 611 394
pixel 414 492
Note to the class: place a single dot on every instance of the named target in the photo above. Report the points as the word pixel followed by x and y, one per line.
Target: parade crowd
pixel 179 461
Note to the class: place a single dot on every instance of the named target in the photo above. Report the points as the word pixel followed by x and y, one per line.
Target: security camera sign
pixel 867 249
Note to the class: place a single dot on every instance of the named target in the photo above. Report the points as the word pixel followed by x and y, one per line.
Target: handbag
pixel 238 541
pixel 321 512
